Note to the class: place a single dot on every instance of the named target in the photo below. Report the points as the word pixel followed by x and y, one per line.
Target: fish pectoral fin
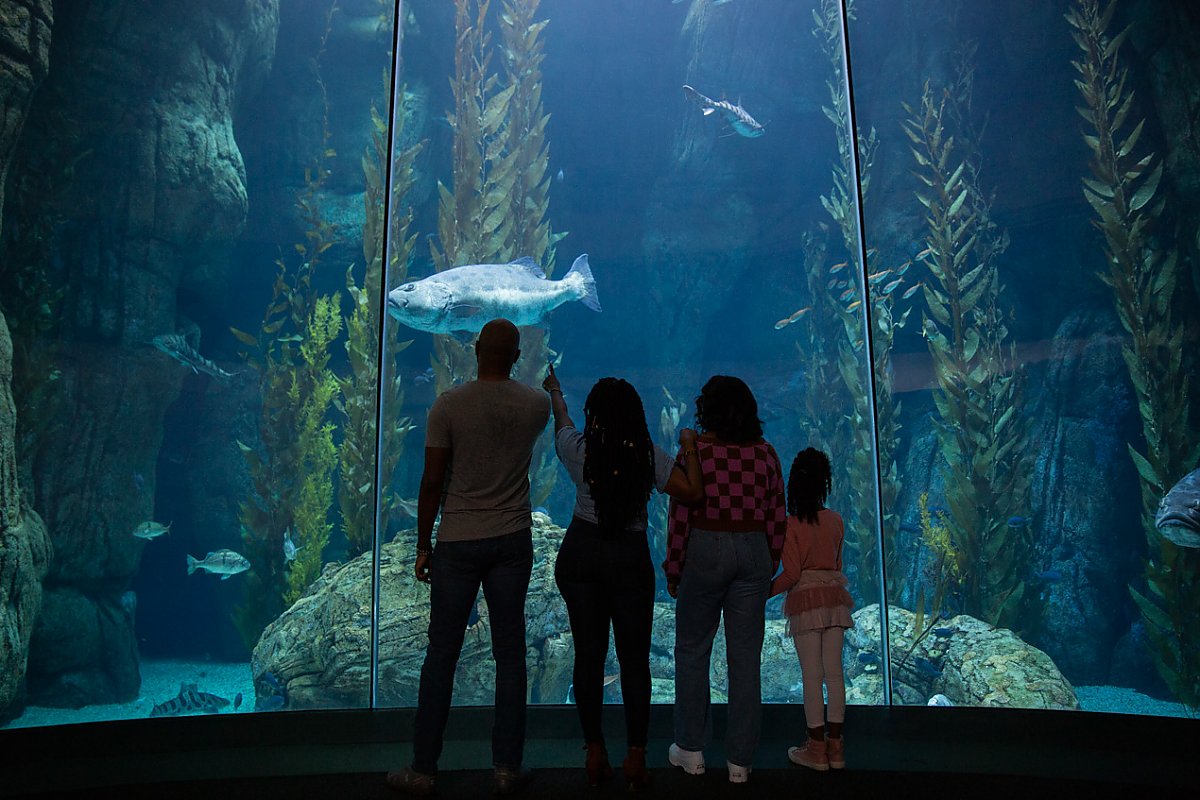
pixel 464 311
pixel 225 577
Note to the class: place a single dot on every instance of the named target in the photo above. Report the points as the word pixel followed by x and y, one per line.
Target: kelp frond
pixel 1144 277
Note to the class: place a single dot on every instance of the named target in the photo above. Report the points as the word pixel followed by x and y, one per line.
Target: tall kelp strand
pixel 840 298
pixel 357 492
pixel 1144 276
pixel 291 464
pixel 981 432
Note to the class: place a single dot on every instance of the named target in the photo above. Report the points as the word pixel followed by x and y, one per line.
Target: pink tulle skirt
pixel 818 600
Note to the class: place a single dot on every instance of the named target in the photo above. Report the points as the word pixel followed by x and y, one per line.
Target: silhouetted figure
pixel 721 554
pixel 817 606
pixel 603 568
pixel 478 446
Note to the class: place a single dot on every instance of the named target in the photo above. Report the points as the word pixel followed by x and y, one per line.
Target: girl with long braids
pixel 603 568
pixel 817 606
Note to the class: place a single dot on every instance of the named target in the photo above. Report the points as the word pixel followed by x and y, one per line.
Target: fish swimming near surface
pixel 189 701
pixel 460 301
pixel 151 530
pixel 1178 516
pixel 222 562
pixel 178 348
pixel 734 114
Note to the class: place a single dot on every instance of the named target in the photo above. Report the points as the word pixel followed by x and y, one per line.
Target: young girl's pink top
pixel 812 574
pixel 743 492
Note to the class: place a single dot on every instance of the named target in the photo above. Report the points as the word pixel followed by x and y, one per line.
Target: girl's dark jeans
pixel 606 577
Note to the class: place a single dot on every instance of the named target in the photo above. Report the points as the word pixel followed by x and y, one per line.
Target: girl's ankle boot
pixel 636 776
pixel 597 766
pixel 835 749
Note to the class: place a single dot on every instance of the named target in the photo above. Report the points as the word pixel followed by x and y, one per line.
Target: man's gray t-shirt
pixel 490 428
pixel 569 444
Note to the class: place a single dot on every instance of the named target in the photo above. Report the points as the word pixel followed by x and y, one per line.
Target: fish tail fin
pixel 590 298
pixel 191 562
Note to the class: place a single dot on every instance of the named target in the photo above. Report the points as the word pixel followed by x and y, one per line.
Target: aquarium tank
pixel 954 244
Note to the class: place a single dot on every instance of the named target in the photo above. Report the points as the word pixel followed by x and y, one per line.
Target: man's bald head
pixel 497 348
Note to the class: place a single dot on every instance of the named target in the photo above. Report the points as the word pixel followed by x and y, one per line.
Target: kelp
pixel 291 465
pixel 981 434
pixel 857 453
pixel 357 493
pixel 1143 275
pixel 499 208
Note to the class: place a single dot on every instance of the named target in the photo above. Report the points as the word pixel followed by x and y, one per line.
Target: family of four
pixel 733 520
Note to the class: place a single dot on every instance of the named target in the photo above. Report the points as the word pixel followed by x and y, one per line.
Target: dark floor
pixel 891 752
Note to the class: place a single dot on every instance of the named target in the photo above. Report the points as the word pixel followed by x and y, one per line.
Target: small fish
pixel 846 295
pixel 409 507
pixel 940 700
pixel 891 287
pixel 943 633
pixel 734 114
pixel 1018 522
pixel 783 323
pixel 222 562
pixel 189 701
pixel 836 268
pixel 559 176
pixel 877 277
pixel 927 667
pixel 289 547
pixel 868 657
pixel 910 291
pixel 151 530
pixel 423 377
pixel 1049 576
pixel 853 306
pixel 924 254
pixel 177 348
pixel 237 701
pixel 832 283
pixel 611 679
pixel 903 268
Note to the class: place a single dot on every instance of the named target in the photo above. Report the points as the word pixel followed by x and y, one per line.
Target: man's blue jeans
pixel 502 565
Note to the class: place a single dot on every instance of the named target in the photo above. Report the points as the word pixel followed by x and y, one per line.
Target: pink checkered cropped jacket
pixel 743 491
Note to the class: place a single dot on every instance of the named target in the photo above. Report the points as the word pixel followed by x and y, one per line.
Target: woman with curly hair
pixel 721 554
pixel 603 568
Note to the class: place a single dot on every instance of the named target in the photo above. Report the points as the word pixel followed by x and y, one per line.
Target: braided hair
pixel 808 484
pixel 618 464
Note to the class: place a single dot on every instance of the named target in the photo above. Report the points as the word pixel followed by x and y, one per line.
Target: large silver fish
pixel 178 348
pixel 223 562
pixel 1178 517
pixel 734 114
pixel 462 300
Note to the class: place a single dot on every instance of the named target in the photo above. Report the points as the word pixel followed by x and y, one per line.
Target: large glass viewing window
pixel 951 244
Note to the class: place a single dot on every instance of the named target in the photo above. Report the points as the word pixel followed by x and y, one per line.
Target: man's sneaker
pixel 409 781
pixel 692 761
pixel 811 754
pixel 738 774
pixel 506 780
pixel 836 750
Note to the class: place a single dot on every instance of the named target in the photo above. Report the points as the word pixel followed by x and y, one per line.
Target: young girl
pixel 817 606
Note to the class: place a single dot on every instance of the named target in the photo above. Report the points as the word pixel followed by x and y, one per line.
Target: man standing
pixel 478 448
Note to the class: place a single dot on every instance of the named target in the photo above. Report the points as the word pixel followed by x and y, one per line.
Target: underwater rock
pixel 25 27
pixel 975 665
pixel 24 548
pixel 1086 526
pixel 319 650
